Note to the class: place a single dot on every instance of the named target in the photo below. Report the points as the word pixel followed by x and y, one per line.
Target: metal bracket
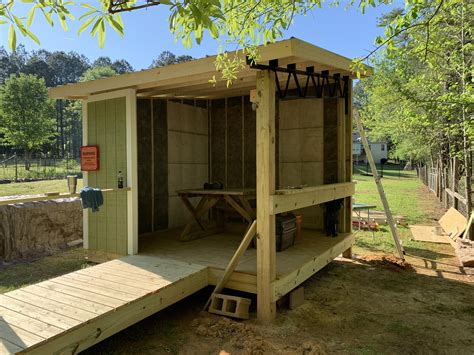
pixel 320 81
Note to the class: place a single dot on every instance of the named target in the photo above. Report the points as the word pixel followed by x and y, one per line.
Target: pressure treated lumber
pixel 70 313
pixel 266 248
pixel 383 197
pixel 234 261
pixel 291 199
pixel 51 197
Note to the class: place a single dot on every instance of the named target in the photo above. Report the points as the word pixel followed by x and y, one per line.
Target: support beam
pixel 266 249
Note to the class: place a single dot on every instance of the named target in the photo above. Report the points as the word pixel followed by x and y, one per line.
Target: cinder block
pixel 231 306
pixel 296 298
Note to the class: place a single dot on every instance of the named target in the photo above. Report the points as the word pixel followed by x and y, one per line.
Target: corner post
pixel 349 166
pixel 132 171
pixel 266 248
pixel 85 176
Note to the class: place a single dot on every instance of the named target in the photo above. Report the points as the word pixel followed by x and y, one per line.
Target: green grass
pixel 36 187
pixel 26 273
pixel 406 198
pixel 45 169
pixel 401 193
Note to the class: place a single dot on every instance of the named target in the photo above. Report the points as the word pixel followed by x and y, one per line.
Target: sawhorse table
pixel 238 199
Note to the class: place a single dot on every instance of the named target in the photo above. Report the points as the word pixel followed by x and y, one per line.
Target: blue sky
pixel 347 32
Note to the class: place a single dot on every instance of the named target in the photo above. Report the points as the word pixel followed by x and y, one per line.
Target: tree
pixel 421 97
pixel 119 66
pixel 245 23
pixel 25 113
pixel 167 58
pixel 95 73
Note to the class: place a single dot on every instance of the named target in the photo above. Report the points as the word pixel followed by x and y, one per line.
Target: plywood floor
pixel 72 312
pixel 216 250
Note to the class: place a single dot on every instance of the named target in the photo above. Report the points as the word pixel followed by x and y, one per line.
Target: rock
pixel 37 228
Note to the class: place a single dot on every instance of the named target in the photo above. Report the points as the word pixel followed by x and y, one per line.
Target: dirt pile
pixel 236 337
pixel 386 261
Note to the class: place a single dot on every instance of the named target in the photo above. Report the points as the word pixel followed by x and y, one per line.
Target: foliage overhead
pixel 237 25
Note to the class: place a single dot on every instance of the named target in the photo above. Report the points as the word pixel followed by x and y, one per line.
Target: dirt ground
pixel 353 307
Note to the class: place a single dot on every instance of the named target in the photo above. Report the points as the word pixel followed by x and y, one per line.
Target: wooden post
pixel 266 249
pixel 348 160
pixel 386 207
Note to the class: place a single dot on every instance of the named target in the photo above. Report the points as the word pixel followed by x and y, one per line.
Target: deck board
pixel 216 250
pixel 74 311
pixel 53 306
pixel 38 313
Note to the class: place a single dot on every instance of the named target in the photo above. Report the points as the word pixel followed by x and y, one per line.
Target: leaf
pixel 115 25
pixel 101 34
pixel 96 26
pixel 32 36
pixel 62 21
pixel 87 14
pixel 31 15
pixel 86 24
pixel 12 37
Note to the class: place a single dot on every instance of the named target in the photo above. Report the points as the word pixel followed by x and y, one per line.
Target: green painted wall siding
pixel 106 127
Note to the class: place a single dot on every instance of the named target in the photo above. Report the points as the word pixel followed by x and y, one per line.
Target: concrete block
pixel 230 306
pixel 296 298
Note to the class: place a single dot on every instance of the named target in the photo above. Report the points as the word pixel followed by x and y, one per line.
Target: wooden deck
pixel 70 313
pixel 294 265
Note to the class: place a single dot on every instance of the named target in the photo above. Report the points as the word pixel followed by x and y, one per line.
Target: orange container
pixel 299 220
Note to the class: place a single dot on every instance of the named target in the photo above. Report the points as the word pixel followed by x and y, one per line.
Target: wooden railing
pixel 291 199
pixel 45 197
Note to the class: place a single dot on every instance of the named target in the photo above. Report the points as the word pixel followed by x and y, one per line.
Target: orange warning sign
pixel 89 158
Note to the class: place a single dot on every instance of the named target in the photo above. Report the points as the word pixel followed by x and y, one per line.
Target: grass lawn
pixel 26 273
pixel 36 187
pixel 408 197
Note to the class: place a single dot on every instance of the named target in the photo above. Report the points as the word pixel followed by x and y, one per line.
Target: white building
pixel 379 150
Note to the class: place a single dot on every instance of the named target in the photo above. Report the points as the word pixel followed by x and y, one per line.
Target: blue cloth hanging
pixel 91 198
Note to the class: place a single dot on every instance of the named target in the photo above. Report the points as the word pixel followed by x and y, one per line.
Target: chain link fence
pixel 14 168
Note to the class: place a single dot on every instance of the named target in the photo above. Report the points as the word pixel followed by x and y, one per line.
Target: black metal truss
pixel 320 81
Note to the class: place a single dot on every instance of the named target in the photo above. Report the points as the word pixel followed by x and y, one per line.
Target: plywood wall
pixel 301 149
pixel 188 163
pixel 106 127
pixel 152 151
pixel 232 142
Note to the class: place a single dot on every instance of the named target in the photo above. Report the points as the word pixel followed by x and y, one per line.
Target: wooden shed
pixel 279 139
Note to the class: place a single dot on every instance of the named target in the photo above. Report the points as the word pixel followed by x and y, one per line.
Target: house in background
pixel 379 150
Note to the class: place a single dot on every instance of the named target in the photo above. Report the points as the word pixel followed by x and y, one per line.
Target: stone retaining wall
pixel 37 228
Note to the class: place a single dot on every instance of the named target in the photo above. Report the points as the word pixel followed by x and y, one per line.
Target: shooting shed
pixel 279 140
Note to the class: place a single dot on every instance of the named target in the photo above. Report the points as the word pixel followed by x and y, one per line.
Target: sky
pixel 344 31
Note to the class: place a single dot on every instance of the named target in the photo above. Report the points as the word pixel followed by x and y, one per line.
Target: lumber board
pixel 237 281
pixel 49 305
pixel 199 71
pixel 266 248
pixel 234 261
pixel 453 223
pixel 72 300
pixel 288 282
pixel 17 336
pixel 27 323
pixel 107 324
pixel 428 234
pixel 292 199
pixel 38 313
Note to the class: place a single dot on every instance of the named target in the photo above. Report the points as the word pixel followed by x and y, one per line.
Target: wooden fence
pixel 444 186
